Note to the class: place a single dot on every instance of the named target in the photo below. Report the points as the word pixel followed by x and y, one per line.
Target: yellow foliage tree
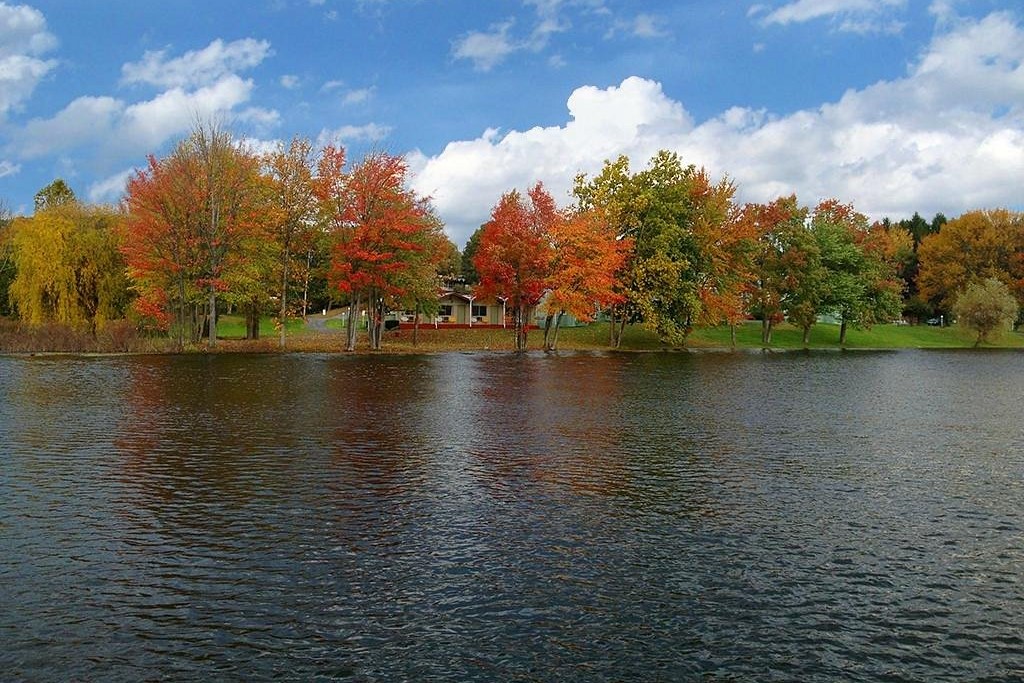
pixel 69 269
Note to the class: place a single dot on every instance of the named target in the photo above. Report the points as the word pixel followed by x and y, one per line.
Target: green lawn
pixel 636 338
pixel 233 326
pixel 785 336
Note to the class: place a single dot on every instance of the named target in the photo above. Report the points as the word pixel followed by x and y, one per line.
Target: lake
pixel 494 517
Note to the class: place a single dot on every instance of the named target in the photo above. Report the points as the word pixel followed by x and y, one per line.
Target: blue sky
pixel 893 105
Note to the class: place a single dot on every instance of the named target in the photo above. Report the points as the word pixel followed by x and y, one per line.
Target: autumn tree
pixel 588 255
pixel 514 259
pixel 293 223
pixel 383 233
pixel 985 308
pixel 189 214
pixel 975 246
pixel 785 265
pixel 161 245
pixel 675 216
pixel 68 267
pixel 727 246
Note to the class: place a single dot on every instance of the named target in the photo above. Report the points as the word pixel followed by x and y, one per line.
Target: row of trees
pixel 214 220
pixel 214 224
pixel 669 248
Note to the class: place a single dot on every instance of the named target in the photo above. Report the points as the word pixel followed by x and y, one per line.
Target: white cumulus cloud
pixel 948 136
pixel 23 41
pixel 196 67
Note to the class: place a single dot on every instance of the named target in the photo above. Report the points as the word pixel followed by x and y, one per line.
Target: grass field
pixel 331 338
pixel 636 338
pixel 233 326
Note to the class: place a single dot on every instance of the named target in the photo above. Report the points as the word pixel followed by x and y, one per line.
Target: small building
pixel 461 310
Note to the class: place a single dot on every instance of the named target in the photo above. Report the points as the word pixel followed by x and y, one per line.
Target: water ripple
pixel 588 517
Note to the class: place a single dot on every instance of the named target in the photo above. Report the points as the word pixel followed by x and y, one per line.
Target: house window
pixel 479 311
pixel 446 310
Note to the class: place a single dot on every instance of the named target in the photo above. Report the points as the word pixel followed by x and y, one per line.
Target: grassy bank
pixel 595 337
pixel 327 338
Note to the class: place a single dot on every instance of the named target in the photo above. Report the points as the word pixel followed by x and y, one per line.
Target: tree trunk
pixel 807 335
pixel 416 325
pixel 554 337
pixel 252 322
pixel 765 333
pixel 732 335
pixel 182 313
pixel 767 339
pixel 305 284
pixel 520 327
pixel 548 319
pixel 213 317
pixel 353 322
pixel 284 293
pixel 842 333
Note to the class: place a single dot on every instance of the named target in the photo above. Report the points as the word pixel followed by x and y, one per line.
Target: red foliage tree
pixel 383 234
pixel 515 256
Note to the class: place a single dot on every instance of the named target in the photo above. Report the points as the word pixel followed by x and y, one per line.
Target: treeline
pixel 669 248
pixel 215 226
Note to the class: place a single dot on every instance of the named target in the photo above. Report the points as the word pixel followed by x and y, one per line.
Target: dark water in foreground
pixel 491 517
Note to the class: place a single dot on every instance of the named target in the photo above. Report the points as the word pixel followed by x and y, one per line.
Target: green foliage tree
pixel 859 284
pixel 675 275
pixel 986 308
pixel 53 195
pixel 469 273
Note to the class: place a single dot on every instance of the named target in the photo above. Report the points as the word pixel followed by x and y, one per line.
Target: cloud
pixel 370 132
pixel 945 137
pixel 196 67
pixel 640 26
pixel 110 130
pixel 648 26
pixel 486 49
pixel 855 16
pixel 110 189
pixel 332 85
pixel 23 41
pixel 8 168
pixel 357 96
pixel 116 129
pixel 289 81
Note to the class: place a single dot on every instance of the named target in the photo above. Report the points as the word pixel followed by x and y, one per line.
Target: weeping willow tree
pixel 68 267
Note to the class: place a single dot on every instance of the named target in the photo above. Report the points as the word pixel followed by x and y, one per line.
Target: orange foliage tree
pixel 188 214
pixel 588 255
pixel 969 249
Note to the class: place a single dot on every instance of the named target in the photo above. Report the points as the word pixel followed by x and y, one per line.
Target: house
pixel 461 310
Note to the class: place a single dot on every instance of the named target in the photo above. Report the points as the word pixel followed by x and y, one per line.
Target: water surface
pixel 498 517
